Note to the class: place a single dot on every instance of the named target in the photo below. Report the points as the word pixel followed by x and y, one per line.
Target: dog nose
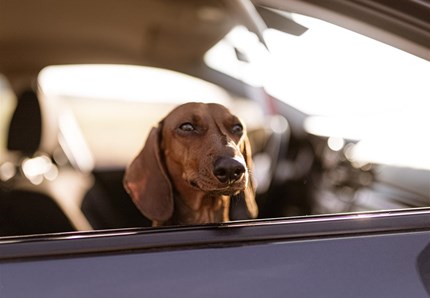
pixel 228 170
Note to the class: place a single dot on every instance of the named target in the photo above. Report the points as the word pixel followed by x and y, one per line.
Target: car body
pixel 338 218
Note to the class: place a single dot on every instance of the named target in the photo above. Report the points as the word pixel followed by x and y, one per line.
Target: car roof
pixel 173 34
pixel 402 24
pixel 165 33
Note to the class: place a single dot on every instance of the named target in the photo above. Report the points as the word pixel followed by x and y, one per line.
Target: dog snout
pixel 228 170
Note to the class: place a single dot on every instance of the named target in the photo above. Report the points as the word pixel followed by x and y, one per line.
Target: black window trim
pixel 225 234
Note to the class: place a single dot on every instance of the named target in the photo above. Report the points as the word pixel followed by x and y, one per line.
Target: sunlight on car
pixel 335 144
pixel 38 168
pixel 7 104
pixel 350 86
pixel 241 55
pixel 107 106
pixel 354 88
pixel 332 71
pixel 128 83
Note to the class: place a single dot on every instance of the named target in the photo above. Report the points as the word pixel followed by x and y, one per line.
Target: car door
pixel 368 255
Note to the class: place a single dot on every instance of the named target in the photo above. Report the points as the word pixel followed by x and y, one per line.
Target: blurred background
pixel 338 121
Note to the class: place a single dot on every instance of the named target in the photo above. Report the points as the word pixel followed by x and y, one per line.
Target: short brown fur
pixel 191 165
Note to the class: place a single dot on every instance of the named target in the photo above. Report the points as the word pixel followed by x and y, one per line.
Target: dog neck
pixel 200 209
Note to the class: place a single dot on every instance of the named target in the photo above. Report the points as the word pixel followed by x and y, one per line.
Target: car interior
pixel 82 83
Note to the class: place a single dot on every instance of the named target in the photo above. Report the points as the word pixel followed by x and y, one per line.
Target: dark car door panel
pixel 246 259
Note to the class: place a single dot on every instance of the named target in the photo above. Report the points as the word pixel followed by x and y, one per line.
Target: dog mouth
pixel 221 189
pixel 194 184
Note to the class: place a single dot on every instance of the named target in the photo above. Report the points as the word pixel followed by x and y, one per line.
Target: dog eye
pixel 237 129
pixel 187 127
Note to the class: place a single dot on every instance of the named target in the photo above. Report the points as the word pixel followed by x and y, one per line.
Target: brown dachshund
pixel 192 164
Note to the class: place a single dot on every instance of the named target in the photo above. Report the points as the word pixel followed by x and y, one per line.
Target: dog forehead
pixel 193 111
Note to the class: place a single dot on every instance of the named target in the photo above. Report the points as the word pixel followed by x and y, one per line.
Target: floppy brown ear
pixel 249 191
pixel 147 182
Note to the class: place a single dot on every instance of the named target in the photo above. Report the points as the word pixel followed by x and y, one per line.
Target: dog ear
pixel 249 191
pixel 147 182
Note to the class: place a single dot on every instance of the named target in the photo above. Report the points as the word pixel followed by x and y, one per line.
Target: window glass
pixel 337 121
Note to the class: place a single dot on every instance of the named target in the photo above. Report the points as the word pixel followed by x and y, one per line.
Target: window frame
pixel 236 233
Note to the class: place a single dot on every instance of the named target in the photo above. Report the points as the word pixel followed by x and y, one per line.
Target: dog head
pixel 197 149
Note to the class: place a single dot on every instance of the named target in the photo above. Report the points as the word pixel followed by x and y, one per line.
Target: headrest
pixel 25 130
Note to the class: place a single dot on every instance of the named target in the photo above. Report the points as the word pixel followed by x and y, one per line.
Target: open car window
pixel 337 121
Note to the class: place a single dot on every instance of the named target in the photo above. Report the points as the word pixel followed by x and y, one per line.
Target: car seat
pixel 26 208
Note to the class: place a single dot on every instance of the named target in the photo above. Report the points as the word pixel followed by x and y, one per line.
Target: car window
pixel 337 122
